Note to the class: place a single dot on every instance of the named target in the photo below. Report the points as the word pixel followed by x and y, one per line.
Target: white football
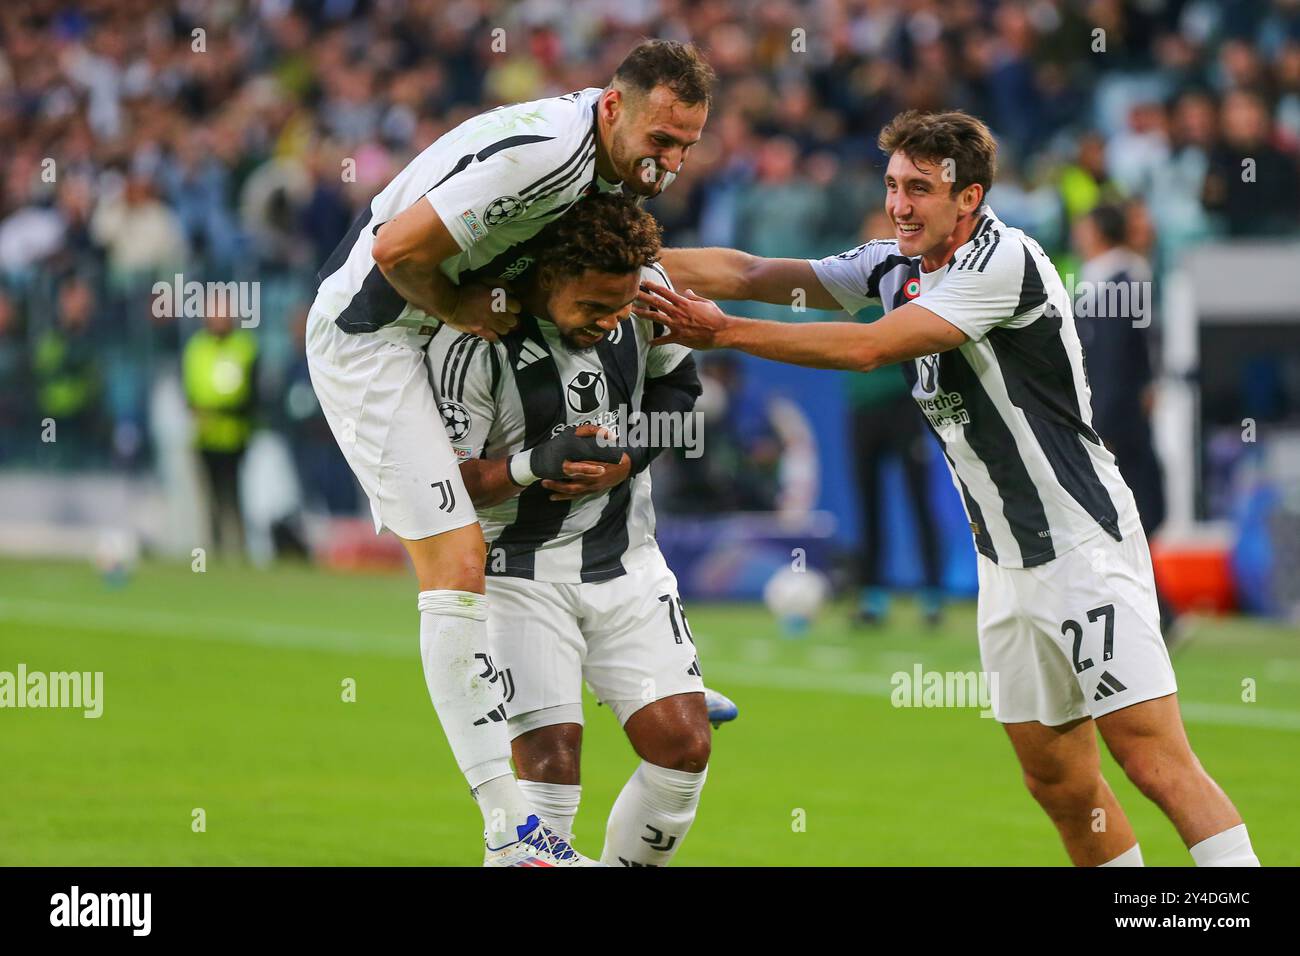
pixel 796 596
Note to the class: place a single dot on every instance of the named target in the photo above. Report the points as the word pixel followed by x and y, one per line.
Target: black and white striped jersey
pixel 1011 406
pixel 495 181
pixel 499 398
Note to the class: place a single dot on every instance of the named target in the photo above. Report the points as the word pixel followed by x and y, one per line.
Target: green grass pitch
pixel 224 691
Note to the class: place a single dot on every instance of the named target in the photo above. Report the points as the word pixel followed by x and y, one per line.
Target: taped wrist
pixel 519 469
pixel 547 459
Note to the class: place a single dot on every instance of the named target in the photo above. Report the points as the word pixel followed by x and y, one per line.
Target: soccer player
pixel 577 585
pixel 406 268
pixel 1067 605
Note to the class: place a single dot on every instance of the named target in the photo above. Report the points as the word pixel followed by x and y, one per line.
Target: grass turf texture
pixel 223 691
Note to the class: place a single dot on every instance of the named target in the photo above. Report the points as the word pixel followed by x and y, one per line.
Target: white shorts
pixel 1076 637
pixel 627 637
pixel 375 391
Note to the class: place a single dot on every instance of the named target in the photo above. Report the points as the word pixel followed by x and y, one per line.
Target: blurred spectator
pixel 1178 183
pixel 1253 185
pixel 67 376
pixel 1113 316
pixel 219 376
pixel 783 212
pixel 1135 157
pixel 141 236
pixel 1085 182
pixel 13 413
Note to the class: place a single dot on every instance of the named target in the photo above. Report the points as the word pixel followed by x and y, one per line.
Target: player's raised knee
pixel 555 766
pixel 685 747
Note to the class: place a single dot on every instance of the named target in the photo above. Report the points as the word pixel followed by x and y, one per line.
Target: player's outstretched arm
pixel 409 249
pixel 732 275
pixel 905 333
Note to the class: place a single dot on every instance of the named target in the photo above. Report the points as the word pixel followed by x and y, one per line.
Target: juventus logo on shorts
pixel 448 503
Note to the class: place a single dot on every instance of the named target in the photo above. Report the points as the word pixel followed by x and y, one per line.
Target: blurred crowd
pixel 236 140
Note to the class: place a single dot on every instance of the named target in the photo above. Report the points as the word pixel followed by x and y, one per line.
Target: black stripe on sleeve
pixel 1032 292
pixel 972 253
pixel 560 170
pixel 449 361
pixel 372 306
pixel 344 248
pixel 662 274
pixel 496 367
pixel 465 363
pixel 997 237
pixel 487 151
pixel 565 181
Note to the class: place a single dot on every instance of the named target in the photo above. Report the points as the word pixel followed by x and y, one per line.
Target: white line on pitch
pixel 752 674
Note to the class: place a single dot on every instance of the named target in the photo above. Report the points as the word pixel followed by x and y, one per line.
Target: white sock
pixel 467 697
pixel 1130 857
pixel 651 816
pixel 556 803
pixel 1229 848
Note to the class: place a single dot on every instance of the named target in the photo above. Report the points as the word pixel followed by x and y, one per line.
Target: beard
pixel 633 169
pixel 571 345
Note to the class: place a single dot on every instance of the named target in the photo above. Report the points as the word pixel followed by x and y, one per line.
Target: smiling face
pixel 587 307
pixel 922 207
pixel 647 135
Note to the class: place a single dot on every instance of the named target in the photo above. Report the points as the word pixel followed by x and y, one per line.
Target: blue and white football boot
pixel 721 709
pixel 538 845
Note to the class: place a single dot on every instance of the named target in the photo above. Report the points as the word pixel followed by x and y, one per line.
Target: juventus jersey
pixel 502 397
pixel 1011 406
pixel 495 181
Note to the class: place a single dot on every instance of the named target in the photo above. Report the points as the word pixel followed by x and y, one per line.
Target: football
pixel 795 597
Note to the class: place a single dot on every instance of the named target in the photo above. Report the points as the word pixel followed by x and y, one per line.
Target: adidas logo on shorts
pixel 1108 685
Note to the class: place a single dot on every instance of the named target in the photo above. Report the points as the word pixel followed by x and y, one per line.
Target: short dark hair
pixel 935 137
pixel 1111 221
pixel 678 66
pixel 607 232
